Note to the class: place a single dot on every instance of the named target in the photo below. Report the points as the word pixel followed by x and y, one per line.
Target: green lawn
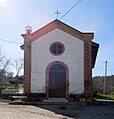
pixel 103 96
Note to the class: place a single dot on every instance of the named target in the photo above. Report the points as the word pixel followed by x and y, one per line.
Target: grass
pixel 103 96
pixel 8 87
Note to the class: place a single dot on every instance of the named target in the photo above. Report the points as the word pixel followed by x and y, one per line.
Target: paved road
pixel 26 112
pixel 55 112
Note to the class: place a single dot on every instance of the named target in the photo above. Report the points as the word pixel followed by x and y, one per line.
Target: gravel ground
pixel 55 112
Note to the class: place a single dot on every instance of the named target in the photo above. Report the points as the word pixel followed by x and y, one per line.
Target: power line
pixel 71 8
pixel 10 41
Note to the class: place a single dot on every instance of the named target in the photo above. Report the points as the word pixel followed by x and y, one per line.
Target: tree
pixel 18 65
pixel 4 63
pixel 9 75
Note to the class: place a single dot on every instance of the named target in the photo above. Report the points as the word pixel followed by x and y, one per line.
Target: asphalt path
pixel 56 111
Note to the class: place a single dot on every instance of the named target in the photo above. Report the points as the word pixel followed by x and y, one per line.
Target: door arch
pixel 57 80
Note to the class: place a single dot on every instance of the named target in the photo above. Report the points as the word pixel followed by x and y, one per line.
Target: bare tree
pixel 4 63
pixel 18 65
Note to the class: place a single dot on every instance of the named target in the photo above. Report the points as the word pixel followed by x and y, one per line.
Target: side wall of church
pixel 73 57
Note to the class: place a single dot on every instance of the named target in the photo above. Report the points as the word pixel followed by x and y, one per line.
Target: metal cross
pixel 57 13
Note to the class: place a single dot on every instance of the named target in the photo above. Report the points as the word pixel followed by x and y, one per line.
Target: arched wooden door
pixel 57 81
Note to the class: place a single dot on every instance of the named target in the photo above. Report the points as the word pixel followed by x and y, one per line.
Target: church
pixel 58 61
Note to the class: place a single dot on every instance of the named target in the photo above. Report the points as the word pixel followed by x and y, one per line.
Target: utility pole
pixel 104 87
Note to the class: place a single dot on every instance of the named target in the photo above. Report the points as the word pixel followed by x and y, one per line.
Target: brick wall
pixel 87 64
pixel 27 64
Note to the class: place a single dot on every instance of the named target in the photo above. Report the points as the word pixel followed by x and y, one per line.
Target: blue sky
pixel 88 16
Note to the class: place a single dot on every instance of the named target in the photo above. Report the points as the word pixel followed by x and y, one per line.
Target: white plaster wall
pixel 73 57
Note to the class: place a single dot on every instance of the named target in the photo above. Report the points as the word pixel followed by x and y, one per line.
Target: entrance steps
pixel 56 100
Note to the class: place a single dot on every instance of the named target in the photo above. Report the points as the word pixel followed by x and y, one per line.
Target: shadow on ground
pixel 82 111
pixel 69 111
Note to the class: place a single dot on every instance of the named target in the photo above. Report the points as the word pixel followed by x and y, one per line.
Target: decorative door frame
pixel 47 78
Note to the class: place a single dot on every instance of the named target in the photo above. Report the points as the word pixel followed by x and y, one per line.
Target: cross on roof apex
pixel 57 13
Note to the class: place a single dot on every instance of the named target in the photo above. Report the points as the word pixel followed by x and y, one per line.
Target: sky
pixel 95 16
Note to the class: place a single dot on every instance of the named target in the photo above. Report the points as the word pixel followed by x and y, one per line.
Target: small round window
pixel 57 48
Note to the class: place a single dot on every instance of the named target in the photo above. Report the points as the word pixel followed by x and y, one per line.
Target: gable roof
pixel 62 26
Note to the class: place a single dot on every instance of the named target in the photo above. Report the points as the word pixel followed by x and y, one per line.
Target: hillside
pixel 98 83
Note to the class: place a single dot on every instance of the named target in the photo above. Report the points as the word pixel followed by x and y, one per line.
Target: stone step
pixel 55 100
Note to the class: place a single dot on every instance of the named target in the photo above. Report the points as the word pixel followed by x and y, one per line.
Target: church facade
pixel 58 61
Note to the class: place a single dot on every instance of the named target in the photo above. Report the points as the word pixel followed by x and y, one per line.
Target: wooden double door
pixel 57 81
